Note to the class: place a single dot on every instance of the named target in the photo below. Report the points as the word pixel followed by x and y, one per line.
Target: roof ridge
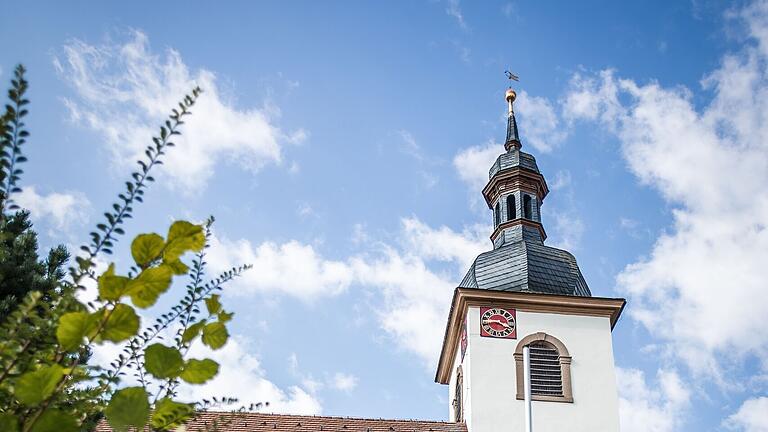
pixel 325 417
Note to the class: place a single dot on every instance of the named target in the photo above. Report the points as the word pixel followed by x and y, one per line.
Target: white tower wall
pixel 490 379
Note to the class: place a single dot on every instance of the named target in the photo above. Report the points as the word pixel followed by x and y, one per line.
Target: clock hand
pixel 501 323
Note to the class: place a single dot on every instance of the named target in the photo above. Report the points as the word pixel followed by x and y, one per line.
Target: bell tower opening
pixel 511 209
pixel 527 207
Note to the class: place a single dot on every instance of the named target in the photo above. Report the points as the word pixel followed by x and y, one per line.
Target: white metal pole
pixel 527 387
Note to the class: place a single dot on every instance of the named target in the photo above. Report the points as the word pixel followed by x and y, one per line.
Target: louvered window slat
pixel 546 374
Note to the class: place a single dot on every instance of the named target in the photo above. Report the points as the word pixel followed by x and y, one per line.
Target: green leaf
pixel 73 327
pixel 53 420
pixel 225 317
pixel 35 387
pixel 192 331
pixel 178 267
pixel 183 236
pixel 111 286
pixel 129 407
pixel 147 287
pixel 162 361
pixel 169 414
pixel 199 371
pixel 213 304
pixel 215 335
pixel 146 248
pixel 122 324
pixel 8 422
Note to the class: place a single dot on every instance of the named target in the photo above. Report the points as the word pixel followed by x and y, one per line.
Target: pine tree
pixel 21 269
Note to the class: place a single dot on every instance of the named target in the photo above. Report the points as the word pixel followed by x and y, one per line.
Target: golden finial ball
pixel 511 95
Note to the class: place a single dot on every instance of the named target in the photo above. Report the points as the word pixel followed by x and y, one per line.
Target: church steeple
pixel 523 322
pixel 520 261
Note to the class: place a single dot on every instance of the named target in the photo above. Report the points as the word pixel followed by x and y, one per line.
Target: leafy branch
pixel 13 137
pixel 103 239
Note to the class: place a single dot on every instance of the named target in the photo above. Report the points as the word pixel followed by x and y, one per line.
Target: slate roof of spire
pixel 512 132
pixel 514 158
pixel 258 422
pixel 527 265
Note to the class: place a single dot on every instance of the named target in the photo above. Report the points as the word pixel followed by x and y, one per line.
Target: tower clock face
pixel 498 323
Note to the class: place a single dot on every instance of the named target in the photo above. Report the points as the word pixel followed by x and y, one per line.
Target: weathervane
pixel 511 95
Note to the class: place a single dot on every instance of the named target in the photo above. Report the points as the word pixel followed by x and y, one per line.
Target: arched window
pixel 527 207
pixel 511 209
pixel 458 408
pixel 550 368
pixel 497 213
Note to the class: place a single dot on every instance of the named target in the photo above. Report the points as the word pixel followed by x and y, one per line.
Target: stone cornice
pixel 463 298
pixel 516 177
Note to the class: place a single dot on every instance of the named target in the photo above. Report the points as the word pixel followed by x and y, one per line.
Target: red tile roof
pixel 257 422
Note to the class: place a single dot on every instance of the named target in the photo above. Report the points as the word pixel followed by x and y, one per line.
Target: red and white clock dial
pixel 498 323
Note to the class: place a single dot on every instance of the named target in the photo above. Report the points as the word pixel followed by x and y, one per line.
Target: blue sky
pixel 342 147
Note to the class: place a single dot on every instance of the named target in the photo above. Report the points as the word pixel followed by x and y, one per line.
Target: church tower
pixel 520 294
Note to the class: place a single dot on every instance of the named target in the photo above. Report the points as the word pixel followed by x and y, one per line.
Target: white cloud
pixel 473 164
pixel 123 92
pixel 539 124
pixel 415 300
pixel 305 210
pixel 711 165
pixel 428 179
pixel 339 381
pixel 410 146
pixel 344 382
pixel 444 244
pixel 464 52
pixel 567 231
pixel 561 180
pixel 241 376
pixel 415 296
pixel 752 416
pixel 509 10
pixel 360 234
pixel 454 10
pixel 656 407
pixel 62 209
pixel 291 268
pixel 628 223
pixel 634 228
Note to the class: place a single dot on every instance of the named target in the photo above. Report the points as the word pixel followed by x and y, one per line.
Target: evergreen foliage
pixel 21 270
